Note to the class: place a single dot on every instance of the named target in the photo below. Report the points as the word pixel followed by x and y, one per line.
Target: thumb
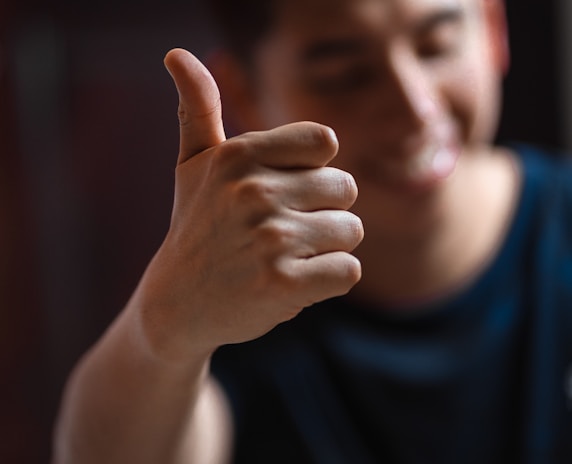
pixel 200 112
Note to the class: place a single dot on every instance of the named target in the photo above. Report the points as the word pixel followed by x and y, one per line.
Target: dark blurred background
pixel 88 142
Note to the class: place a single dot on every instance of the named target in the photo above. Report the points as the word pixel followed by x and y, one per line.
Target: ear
pixel 497 29
pixel 238 92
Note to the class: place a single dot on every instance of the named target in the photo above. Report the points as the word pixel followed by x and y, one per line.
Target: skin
pixel 259 231
pixel 399 80
pixel 260 225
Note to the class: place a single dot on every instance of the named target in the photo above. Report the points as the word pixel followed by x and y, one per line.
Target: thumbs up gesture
pixel 259 229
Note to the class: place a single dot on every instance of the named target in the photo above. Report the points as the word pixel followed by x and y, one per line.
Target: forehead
pixel 312 17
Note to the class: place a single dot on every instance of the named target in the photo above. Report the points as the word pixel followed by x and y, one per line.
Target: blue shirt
pixel 485 377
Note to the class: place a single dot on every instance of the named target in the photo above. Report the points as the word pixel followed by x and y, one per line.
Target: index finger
pixel 302 145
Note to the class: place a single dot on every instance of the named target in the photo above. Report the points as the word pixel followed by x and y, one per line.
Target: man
pixel 453 346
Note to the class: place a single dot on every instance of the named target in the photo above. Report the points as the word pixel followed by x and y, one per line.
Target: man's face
pixel 408 85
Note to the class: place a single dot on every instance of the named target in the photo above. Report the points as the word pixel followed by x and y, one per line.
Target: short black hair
pixel 242 23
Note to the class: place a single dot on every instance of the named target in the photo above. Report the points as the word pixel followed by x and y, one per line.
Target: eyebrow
pixel 450 14
pixel 336 48
pixel 331 49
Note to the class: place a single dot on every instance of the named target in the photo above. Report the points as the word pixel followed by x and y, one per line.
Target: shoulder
pixel 547 199
pixel 543 165
pixel 546 183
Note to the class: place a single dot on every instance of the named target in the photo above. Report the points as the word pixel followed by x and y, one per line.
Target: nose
pixel 408 99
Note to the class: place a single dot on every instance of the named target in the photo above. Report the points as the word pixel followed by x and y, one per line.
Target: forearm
pixel 123 404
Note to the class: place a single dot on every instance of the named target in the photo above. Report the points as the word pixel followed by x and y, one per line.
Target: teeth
pixel 433 160
pixel 443 162
pixel 420 165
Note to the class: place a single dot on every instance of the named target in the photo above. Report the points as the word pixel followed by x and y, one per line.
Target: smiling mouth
pixel 415 172
pixel 432 163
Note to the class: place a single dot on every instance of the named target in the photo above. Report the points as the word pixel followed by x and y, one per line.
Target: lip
pixel 397 178
pixel 414 165
pixel 434 162
pixel 433 156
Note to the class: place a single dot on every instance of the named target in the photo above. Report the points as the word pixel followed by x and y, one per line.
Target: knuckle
pixel 351 271
pixel 341 185
pixel 282 276
pixel 275 235
pixel 187 116
pixel 279 278
pixel 356 227
pixel 348 188
pixel 319 136
pixel 329 138
pixel 354 269
pixel 237 148
pixel 182 115
pixel 233 159
pixel 325 138
pixel 348 229
pixel 254 191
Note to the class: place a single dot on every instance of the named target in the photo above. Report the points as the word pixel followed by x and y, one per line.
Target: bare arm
pixel 259 230
pixel 125 405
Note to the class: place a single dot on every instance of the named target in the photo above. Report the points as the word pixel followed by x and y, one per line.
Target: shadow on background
pixel 88 142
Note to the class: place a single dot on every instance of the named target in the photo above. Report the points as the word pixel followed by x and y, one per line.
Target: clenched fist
pixel 259 230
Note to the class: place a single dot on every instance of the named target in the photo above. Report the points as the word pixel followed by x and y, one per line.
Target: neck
pixel 440 242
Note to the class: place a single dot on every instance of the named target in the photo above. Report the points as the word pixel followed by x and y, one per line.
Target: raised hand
pixel 259 230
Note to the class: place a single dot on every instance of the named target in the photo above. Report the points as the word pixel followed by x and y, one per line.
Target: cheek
pixel 275 111
pixel 283 106
pixel 275 100
pixel 474 99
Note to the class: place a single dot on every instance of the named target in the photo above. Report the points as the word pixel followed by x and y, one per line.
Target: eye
pixel 441 36
pixel 343 81
pixel 440 42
